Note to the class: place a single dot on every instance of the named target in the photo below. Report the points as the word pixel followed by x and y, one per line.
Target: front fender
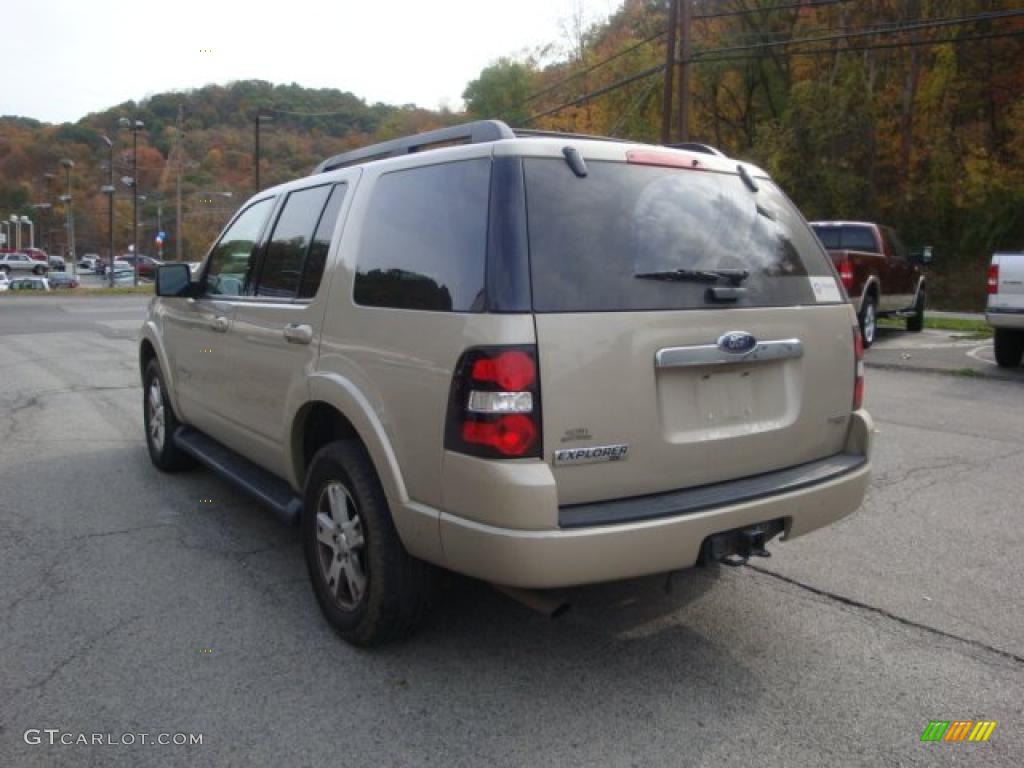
pixel 151 332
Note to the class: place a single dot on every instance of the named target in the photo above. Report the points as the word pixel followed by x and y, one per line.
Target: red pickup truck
pixel 878 272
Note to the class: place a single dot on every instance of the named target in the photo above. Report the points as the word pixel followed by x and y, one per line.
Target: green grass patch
pixel 979 328
pixel 73 293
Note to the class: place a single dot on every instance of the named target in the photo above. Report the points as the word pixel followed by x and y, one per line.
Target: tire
pixel 915 323
pixel 1009 345
pixel 370 590
pixel 38 270
pixel 868 320
pixel 5 269
pixel 160 423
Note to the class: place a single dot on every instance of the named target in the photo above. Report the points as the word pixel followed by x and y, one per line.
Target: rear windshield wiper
pixel 734 276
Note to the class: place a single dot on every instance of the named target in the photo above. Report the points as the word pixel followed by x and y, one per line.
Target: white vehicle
pixel 5 283
pixel 30 284
pixel 1005 310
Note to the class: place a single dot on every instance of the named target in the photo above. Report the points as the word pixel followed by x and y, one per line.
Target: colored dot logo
pixel 206 650
pixel 206 350
pixel 206 501
pixel 206 50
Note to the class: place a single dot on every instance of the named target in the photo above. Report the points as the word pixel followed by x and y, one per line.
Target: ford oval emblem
pixel 737 342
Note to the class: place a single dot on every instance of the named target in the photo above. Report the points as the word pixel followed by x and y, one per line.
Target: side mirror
pixel 173 279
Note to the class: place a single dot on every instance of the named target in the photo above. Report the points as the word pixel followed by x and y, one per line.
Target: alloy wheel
pixel 341 545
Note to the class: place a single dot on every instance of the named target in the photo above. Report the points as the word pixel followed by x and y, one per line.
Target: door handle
pixel 220 324
pixel 297 333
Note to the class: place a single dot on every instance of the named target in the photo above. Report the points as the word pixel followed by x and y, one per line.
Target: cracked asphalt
pixel 129 606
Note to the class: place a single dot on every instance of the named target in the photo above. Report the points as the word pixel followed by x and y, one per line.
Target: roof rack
pixel 467 133
pixel 696 146
pixel 530 133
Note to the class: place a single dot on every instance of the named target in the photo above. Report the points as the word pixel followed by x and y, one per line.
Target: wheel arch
pixel 151 348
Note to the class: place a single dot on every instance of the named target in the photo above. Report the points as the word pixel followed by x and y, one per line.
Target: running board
pixel 254 480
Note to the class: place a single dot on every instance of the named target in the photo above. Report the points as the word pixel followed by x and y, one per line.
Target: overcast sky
pixel 65 58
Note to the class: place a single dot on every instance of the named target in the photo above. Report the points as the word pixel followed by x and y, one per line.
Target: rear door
pixel 652 364
pixel 273 340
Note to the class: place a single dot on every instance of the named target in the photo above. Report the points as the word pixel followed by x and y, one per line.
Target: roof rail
pixel 696 146
pixel 530 133
pixel 467 133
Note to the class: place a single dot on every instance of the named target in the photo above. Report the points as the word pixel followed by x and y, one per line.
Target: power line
pixel 588 70
pixel 769 9
pixel 882 30
pixel 874 47
pixel 703 58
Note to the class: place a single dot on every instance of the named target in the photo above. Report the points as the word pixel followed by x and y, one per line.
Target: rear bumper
pixel 582 555
pixel 1005 318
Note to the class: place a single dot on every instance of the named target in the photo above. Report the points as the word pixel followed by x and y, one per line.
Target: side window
pixel 899 251
pixel 424 239
pixel 228 272
pixel 317 256
pixel 286 251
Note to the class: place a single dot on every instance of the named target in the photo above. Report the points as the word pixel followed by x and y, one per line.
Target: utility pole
pixel 256 145
pixel 109 191
pixel 670 67
pixel 686 30
pixel 177 187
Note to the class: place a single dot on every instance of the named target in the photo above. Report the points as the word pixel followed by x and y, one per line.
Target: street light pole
pixel 15 222
pixel 31 232
pixel 68 165
pixel 134 126
pixel 7 233
pixel 108 190
pixel 49 177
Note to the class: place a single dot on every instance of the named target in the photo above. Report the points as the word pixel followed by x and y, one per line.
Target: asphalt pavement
pixel 136 602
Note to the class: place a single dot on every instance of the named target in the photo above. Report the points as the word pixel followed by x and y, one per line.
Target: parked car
pixel 877 271
pixel 20 262
pixel 1005 312
pixel 88 262
pixel 62 280
pixel 540 361
pixel 147 265
pixel 57 263
pixel 29 284
pixel 5 282
pixel 36 254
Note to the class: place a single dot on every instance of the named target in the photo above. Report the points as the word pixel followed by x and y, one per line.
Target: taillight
pixel 846 274
pixel 993 278
pixel 858 369
pixel 494 406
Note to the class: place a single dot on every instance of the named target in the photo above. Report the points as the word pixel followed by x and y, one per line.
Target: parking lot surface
pixel 136 602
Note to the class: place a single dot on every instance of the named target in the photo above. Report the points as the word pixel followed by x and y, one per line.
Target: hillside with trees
pixel 212 146
pixel 908 112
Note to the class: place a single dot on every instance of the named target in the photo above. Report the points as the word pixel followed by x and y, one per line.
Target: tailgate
pixel 672 410
pixel 1010 288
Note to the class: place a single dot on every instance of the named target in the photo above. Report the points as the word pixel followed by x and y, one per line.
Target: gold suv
pixel 541 360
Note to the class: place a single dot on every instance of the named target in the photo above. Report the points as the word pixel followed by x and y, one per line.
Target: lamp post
pixel 49 178
pixel 260 118
pixel 134 126
pixel 68 165
pixel 6 229
pixel 16 223
pixel 108 189
pixel 31 231
pixel 42 230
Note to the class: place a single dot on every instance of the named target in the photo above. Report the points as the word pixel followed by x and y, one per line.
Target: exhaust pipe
pixel 545 603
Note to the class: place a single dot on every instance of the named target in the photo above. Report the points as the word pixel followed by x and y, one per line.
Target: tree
pixel 500 91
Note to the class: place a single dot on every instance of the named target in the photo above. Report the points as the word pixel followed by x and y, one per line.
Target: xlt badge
pixel 591 455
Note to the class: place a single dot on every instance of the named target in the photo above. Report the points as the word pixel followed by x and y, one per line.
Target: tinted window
pixel 286 251
pixel 317 256
pixel 831 237
pixel 228 272
pixel 859 239
pixel 424 239
pixel 590 238
pixel 896 246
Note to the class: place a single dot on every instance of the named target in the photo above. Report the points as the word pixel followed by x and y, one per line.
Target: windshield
pixel 592 237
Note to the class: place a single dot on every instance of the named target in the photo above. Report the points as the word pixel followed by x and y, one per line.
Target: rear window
pixel 591 237
pixel 846 237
